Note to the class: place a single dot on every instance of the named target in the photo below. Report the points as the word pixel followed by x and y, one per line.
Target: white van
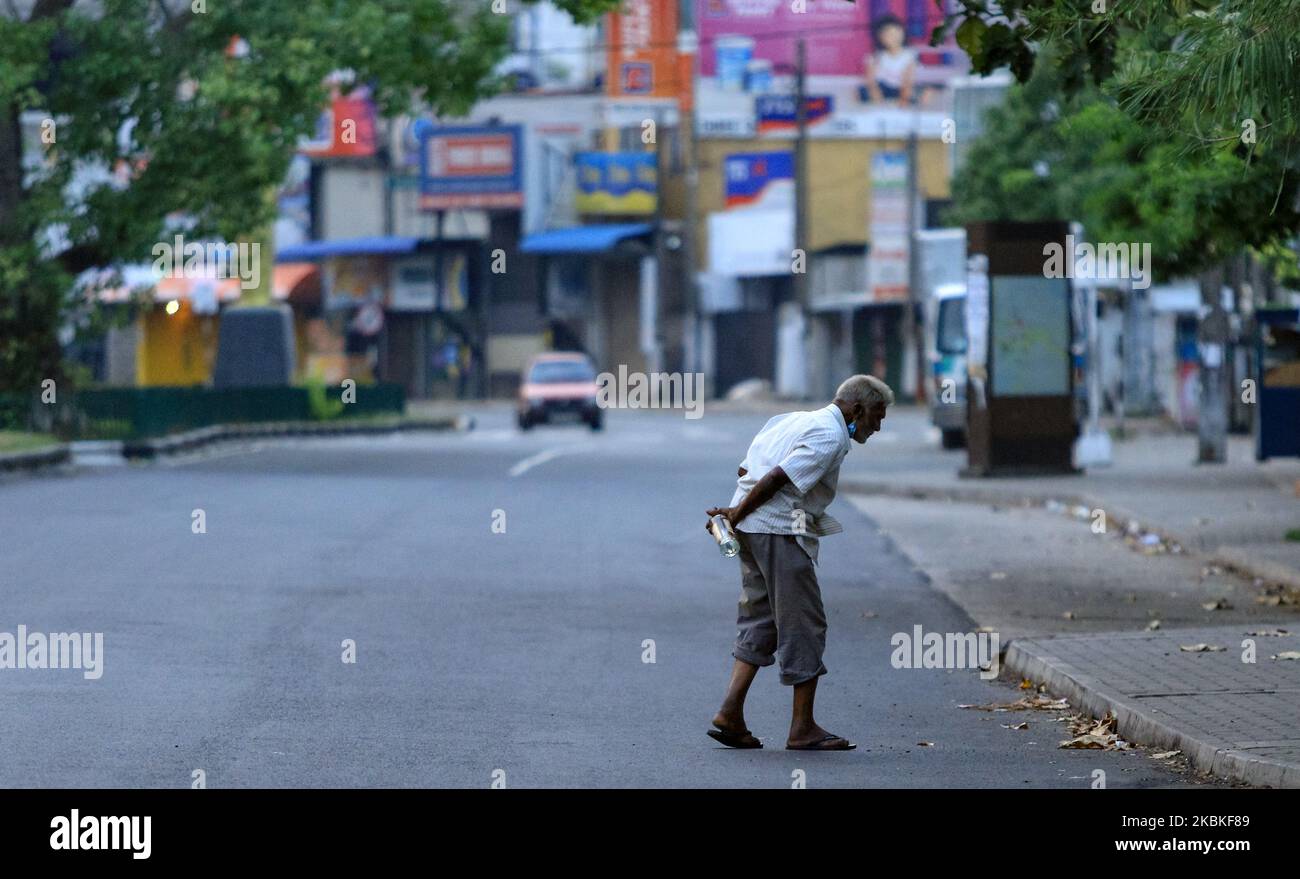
pixel 946 341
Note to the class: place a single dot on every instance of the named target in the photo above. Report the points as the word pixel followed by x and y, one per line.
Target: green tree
pixel 1050 154
pixel 150 87
pixel 1197 70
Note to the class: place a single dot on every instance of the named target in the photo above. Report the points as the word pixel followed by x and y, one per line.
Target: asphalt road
pixel 479 655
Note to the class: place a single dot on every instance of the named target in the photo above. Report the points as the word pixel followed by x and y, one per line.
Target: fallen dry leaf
pixel 1268 633
pixel 1275 599
pixel 1028 703
pixel 1089 741
pixel 1084 724
pixel 1024 724
pixel 1026 684
pixel 1165 755
pixel 1201 648
pixel 926 744
pixel 1153 625
pixel 1100 735
pixel 1288 654
pixel 1217 604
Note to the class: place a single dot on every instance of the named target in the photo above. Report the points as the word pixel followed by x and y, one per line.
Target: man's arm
pixel 761 493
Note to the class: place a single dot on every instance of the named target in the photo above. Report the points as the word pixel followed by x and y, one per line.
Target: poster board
pixel 1030 324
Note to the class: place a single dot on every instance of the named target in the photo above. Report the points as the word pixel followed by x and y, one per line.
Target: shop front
pixel 599 291
pixel 393 309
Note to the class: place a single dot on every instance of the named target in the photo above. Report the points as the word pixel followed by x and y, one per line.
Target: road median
pixel 195 439
pixel 40 458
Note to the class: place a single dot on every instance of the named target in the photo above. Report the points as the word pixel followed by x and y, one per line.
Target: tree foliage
pixel 1195 70
pixel 150 88
pixel 1049 154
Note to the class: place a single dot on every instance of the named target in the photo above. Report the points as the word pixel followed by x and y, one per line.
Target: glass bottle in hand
pixel 726 537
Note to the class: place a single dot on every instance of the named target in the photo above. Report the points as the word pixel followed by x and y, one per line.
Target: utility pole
pixel 913 329
pixel 663 136
pixel 690 255
pixel 801 203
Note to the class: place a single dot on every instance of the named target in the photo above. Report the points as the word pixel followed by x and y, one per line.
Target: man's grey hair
pixel 865 389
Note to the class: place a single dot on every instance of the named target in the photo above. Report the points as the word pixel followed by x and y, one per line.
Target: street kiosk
pixel 1277 359
pixel 1020 382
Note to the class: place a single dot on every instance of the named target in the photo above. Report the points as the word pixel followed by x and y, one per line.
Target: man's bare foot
pixel 730 722
pixel 730 730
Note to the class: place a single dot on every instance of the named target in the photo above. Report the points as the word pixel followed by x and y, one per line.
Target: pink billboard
pixel 838 34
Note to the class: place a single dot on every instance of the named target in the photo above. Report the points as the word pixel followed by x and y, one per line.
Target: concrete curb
pixel 1227 557
pixel 1236 559
pixel 194 439
pixel 1031 658
pixel 36 459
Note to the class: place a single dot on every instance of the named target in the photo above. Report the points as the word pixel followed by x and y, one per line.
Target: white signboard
pixel 751 243
pixel 977 311
pixel 889 232
pixel 411 285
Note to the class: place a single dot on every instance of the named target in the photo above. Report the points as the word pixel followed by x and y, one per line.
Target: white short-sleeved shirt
pixel 809 447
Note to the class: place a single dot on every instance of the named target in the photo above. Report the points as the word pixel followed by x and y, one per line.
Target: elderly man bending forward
pixel 786 481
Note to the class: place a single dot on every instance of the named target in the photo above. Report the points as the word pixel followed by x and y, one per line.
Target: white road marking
pixel 532 461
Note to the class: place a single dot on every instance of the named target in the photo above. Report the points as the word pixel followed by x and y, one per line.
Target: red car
pixel 559 386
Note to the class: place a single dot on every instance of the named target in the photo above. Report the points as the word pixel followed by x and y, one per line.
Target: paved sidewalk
pixel 1231 717
pixel 1235 514
pixel 1192 554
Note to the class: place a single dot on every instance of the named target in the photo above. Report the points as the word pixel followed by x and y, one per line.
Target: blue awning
pixel 583 239
pixel 377 245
